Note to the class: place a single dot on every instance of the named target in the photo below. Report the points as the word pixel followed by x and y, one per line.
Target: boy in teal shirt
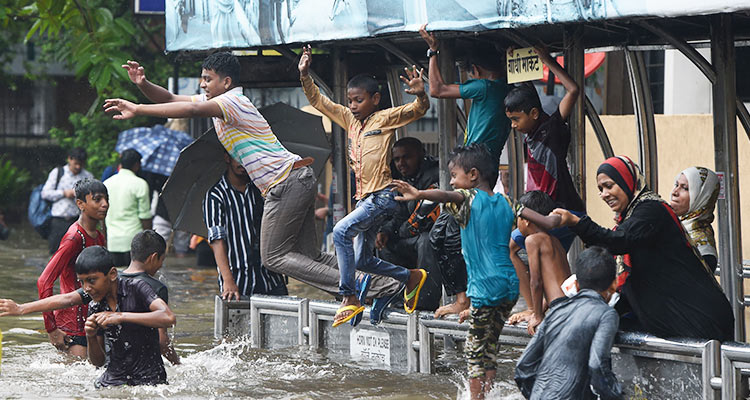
pixel 486 220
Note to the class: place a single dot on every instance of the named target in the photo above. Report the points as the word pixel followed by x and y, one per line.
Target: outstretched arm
pixel 438 88
pixel 339 114
pixel 153 92
pixel 409 193
pixel 176 109
pixel 9 307
pixel 166 347
pixel 546 222
pixel 571 87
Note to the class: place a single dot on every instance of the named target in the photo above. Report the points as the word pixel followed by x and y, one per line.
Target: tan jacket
pixel 370 141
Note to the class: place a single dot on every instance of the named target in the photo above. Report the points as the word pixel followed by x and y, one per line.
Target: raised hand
pixel 136 73
pixel 414 79
pixel 305 60
pixel 428 37
pixel 566 217
pixel 126 108
pixel 408 192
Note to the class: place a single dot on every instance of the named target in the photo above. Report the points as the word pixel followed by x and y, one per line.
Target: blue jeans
pixel 363 223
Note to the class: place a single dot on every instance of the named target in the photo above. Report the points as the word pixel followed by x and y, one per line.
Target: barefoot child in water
pixel 486 220
pixel 548 263
pixel 132 331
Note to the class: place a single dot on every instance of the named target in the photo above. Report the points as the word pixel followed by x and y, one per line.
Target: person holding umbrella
pixel 285 179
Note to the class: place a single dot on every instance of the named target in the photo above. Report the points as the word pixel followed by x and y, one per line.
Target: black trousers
pixel 57 229
pixel 445 237
pixel 417 252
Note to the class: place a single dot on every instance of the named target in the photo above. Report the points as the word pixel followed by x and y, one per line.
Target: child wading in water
pixel 486 220
pixel 371 136
pixel 127 311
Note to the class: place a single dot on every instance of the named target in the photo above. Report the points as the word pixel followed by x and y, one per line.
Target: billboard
pixel 206 24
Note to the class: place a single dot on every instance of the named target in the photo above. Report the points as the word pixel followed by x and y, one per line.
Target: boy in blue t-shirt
pixel 486 220
pixel 487 124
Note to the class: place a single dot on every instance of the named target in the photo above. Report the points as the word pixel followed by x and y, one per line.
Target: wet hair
pixel 224 64
pixel 486 57
pixel 129 158
pixel 476 156
pixel 146 243
pixel 94 259
pixel 522 98
pixel 89 186
pixel 77 153
pixel 410 143
pixel 368 83
pixel 538 201
pixel 595 269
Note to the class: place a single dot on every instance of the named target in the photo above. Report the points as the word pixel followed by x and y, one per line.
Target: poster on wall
pixel 206 24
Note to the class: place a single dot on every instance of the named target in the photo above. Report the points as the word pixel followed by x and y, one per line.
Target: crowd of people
pixel 404 241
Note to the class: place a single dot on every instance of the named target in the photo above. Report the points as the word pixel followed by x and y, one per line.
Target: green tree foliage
pixel 93 38
pixel 13 184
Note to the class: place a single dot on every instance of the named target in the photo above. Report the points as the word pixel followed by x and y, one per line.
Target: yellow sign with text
pixel 524 65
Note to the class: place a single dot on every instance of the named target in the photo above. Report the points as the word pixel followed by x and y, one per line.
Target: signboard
pixel 154 7
pixel 722 193
pixel 371 346
pixel 207 24
pixel 524 65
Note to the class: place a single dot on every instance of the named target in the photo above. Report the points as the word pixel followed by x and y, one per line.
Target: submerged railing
pixel 649 367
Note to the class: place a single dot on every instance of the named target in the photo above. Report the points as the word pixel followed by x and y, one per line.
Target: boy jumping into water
pixel 370 136
pixel 127 311
pixel 486 220
pixel 65 327
pixel 286 181
pixel 570 355
pixel 548 264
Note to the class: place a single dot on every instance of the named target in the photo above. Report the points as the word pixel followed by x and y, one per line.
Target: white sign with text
pixel 371 346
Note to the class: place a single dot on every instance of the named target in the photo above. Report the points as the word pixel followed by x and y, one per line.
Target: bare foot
pixel 523 316
pixel 453 308
pixel 347 301
pixel 415 276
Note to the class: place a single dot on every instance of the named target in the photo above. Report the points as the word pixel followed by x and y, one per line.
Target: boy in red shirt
pixel 65 327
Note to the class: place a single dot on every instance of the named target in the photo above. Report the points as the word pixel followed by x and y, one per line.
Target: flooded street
pixel 32 368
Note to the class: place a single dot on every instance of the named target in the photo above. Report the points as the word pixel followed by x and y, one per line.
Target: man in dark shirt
pixel 131 329
pixel 569 357
pixel 404 239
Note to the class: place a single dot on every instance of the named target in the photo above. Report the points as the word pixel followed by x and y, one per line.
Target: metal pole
pixel 341 203
pixel 725 155
pixel 573 39
pixel 601 133
pixel 446 111
pixel 644 117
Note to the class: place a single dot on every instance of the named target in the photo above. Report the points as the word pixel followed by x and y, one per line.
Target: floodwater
pixel 32 368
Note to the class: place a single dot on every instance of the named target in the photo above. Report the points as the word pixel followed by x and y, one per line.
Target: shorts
pixel 486 323
pixel 79 340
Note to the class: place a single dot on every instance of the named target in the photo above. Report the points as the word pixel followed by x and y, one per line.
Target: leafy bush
pixel 14 184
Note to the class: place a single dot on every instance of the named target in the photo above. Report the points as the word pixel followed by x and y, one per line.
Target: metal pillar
pixel 515 162
pixel 599 131
pixel 341 203
pixel 725 155
pixel 573 39
pixel 644 117
pixel 446 111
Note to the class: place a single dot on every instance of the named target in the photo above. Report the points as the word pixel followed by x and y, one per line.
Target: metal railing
pixel 652 366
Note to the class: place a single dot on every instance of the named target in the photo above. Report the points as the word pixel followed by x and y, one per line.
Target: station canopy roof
pixel 246 24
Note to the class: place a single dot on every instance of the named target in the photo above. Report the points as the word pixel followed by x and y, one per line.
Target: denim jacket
pixel 569 357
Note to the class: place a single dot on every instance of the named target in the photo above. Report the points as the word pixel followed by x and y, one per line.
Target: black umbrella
pixel 201 164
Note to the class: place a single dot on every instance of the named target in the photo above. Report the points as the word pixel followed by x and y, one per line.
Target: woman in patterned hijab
pixel 693 200
pixel 668 290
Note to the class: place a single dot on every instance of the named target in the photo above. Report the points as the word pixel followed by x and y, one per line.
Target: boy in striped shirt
pixel 285 180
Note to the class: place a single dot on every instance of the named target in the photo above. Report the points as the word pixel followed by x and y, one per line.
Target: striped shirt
pixel 248 138
pixel 235 217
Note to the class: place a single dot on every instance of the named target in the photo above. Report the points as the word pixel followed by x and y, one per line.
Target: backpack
pixel 39 211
